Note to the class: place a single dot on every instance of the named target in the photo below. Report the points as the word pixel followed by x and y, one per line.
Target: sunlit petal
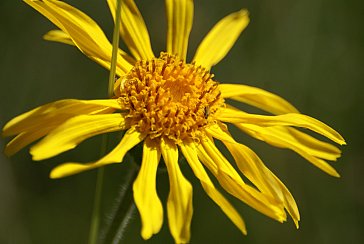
pixel 212 158
pixel 257 97
pixel 254 169
pixel 74 131
pixel 130 139
pixel 275 137
pixel 133 29
pixel 221 38
pixel 56 113
pixel 292 119
pixel 83 31
pixel 190 153
pixel 179 21
pixel 145 193
pixel 179 204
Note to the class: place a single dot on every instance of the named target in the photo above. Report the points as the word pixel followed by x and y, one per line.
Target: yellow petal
pixel 145 193
pixel 179 20
pixel 74 131
pixel 245 161
pixel 254 169
pixel 133 29
pixel 309 144
pixel 40 121
pixel 58 36
pixel 63 37
pixel 56 113
pixel 245 156
pixel 232 183
pixel 106 64
pixel 304 141
pixel 83 31
pixel 129 140
pixel 24 139
pixel 257 97
pixel 190 153
pixel 289 202
pixel 221 38
pixel 292 119
pixel 275 137
pixel 179 204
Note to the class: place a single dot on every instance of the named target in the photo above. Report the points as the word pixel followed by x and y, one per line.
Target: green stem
pixel 115 48
pixel 95 221
pixel 124 210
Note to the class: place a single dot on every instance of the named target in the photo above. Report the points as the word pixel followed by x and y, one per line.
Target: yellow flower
pixel 173 107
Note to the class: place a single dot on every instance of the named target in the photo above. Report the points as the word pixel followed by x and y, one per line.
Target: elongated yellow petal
pixel 221 38
pixel 40 121
pixel 83 31
pixel 289 202
pixel 245 156
pixel 309 144
pixel 190 153
pixel 179 202
pixel 304 141
pixel 145 193
pixel 58 36
pixel 232 183
pixel 56 113
pixel 245 162
pixel 275 137
pixel 179 20
pixel 257 97
pixel 133 29
pixel 254 169
pixel 74 131
pixel 130 140
pixel 292 119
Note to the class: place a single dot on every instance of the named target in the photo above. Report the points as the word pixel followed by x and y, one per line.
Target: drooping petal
pixel 179 204
pixel 83 31
pixel 229 179
pixel 190 153
pixel 291 119
pixel 179 21
pixel 278 138
pixel 133 29
pixel 257 97
pixel 254 169
pixel 56 113
pixel 68 135
pixel 129 140
pixel 244 156
pixel 289 202
pixel 310 144
pixel 221 38
pixel 145 193
pixel 302 140
pixel 246 166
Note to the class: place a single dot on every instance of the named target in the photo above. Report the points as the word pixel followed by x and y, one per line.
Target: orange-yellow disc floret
pixel 167 97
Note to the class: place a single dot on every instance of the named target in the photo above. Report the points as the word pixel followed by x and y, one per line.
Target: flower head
pixel 172 106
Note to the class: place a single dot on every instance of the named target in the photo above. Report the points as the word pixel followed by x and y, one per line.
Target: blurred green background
pixel 308 51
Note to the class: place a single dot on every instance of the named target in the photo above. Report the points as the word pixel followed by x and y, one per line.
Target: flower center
pixel 167 97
